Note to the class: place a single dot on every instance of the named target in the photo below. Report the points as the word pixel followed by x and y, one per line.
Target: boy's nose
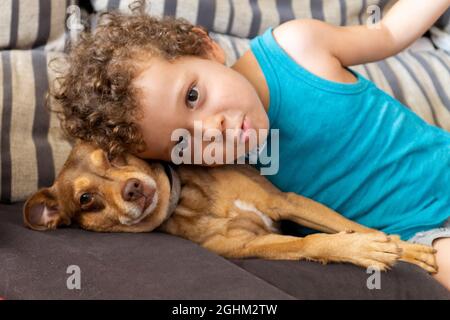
pixel 216 122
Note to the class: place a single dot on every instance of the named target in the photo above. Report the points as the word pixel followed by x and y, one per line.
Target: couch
pixel 40 265
pixel 36 265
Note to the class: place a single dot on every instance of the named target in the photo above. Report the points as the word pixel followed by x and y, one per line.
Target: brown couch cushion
pixel 116 266
pixel 159 266
pixel 306 280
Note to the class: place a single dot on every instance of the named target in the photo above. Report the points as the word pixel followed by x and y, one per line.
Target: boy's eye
pixel 192 97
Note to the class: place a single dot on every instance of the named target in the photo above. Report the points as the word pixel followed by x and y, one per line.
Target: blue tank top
pixel 354 148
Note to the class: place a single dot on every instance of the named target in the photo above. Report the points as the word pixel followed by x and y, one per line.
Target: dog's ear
pixel 41 212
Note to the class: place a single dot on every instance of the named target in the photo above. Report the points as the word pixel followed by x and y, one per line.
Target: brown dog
pixel 231 210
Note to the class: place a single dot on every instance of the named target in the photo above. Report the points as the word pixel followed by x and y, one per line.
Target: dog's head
pixel 126 194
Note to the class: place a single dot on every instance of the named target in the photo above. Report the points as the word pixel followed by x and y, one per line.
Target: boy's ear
pixel 41 211
pixel 216 53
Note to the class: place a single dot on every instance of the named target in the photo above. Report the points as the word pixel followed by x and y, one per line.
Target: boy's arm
pixel 405 22
pixel 408 20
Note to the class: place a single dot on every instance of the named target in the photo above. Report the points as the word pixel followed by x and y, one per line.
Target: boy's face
pixel 175 95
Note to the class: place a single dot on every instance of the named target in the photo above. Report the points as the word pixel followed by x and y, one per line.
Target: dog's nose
pixel 132 190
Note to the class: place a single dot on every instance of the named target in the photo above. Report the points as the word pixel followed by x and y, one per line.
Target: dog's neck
pixel 175 188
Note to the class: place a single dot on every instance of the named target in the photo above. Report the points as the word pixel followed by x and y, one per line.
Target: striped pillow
pixel 31 145
pixel 248 18
pixel 417 78
pixel 28 24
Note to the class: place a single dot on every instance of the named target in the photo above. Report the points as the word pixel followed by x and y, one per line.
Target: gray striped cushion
pixel 419 79
pixel 248 18
pixel 32 149
pixel 28 24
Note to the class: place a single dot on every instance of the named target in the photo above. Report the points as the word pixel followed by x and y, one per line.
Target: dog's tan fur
pixel 208 212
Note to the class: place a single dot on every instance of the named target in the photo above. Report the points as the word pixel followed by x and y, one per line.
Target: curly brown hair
pixel 94 96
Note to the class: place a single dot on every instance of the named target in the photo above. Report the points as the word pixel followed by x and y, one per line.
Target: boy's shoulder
pixel 248 65
pixel 298 38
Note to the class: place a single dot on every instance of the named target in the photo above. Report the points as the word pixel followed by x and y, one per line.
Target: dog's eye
pixel 86 198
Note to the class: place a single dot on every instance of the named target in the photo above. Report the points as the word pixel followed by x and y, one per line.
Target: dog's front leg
pixel 363 249
pixel 314 215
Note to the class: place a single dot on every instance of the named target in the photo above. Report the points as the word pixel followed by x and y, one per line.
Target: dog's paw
pixel 375 250
pixel 420 255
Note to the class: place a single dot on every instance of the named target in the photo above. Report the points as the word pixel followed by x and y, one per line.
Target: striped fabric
pixel 32 149
pixel 28 24
pixel 248 18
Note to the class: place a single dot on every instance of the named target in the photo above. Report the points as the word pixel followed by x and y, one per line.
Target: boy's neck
pixel 248 66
